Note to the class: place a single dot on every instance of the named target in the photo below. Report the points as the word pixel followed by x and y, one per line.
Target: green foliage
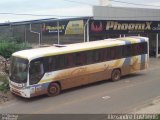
pixel 9 45
pixel 4 86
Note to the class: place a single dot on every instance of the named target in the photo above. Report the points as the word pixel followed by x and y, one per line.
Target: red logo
pixel 96 27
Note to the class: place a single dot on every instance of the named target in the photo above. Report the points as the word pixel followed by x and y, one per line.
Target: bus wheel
pixel 116 75
pixel 53 89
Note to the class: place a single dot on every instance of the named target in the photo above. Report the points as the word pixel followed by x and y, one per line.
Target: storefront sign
pixel 124 27
pixel 64 27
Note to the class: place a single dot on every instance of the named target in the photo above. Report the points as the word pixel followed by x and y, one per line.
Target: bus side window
pixel 97 56
pixel 60 62
pixel 137 49
pixel 45 63
pixel 112 53
pixel 118 52
pixel 70 60
pixel 143 48
pixel 89 57
pixel 134 49
pixel 36 71
pixel 80 58
pixel 127 51
pixel 102 55
pixel 49 64
pixel 53 63
pixel 106 54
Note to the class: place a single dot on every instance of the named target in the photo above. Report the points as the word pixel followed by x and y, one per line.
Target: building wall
pixel 125 13
pixel 66 36
pixel 103 29
pixel 23 33
pixel 5 31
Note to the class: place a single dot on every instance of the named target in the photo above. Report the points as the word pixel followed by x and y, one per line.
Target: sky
pixel 57 8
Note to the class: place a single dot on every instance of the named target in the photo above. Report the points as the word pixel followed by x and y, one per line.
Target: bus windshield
pixel 19 70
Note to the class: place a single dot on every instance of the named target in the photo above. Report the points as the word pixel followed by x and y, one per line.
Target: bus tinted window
pixel 127 50
pixel 80 58
pixel 143 48
pixel 140 48
pixel 61 60
pixel 106 54
pixel 89 57
pixel 118 51
pixel 97 56
pixel 112 53
pixel 49 64
pixel 93 56
pixel 36 71
pixel 70 60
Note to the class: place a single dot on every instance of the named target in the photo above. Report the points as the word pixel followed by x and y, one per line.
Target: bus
pixel 49 70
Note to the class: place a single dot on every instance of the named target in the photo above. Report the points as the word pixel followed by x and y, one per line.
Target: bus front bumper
pixel 21 92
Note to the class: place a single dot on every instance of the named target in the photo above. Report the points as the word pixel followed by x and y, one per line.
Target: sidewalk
pixel 150 108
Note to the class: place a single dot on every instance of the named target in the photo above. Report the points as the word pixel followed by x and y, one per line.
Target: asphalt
pixel 129 94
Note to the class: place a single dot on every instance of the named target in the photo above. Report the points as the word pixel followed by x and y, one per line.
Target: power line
pixel 25 14
pixel 84 3
pixel 22 14
pixel 102 17
pixel 113 1
pixel 124 17
pixel 134 3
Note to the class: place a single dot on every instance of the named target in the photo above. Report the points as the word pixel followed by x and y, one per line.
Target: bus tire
pixel 53 89
pixel 116 75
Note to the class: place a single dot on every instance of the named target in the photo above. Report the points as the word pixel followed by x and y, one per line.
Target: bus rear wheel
pixel 53 89
pixel 116 75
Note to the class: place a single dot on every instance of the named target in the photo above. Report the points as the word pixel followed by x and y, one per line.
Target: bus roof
pixel 31 54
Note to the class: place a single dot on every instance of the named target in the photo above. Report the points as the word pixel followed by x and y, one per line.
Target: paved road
pixel 123 96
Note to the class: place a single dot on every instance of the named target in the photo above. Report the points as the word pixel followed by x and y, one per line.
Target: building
pixel 111 22
pixel 106 22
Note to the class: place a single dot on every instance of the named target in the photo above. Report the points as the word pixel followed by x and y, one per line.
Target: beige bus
pixel 49 70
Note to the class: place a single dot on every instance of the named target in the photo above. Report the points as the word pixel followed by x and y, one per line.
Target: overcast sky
pixel 56 8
